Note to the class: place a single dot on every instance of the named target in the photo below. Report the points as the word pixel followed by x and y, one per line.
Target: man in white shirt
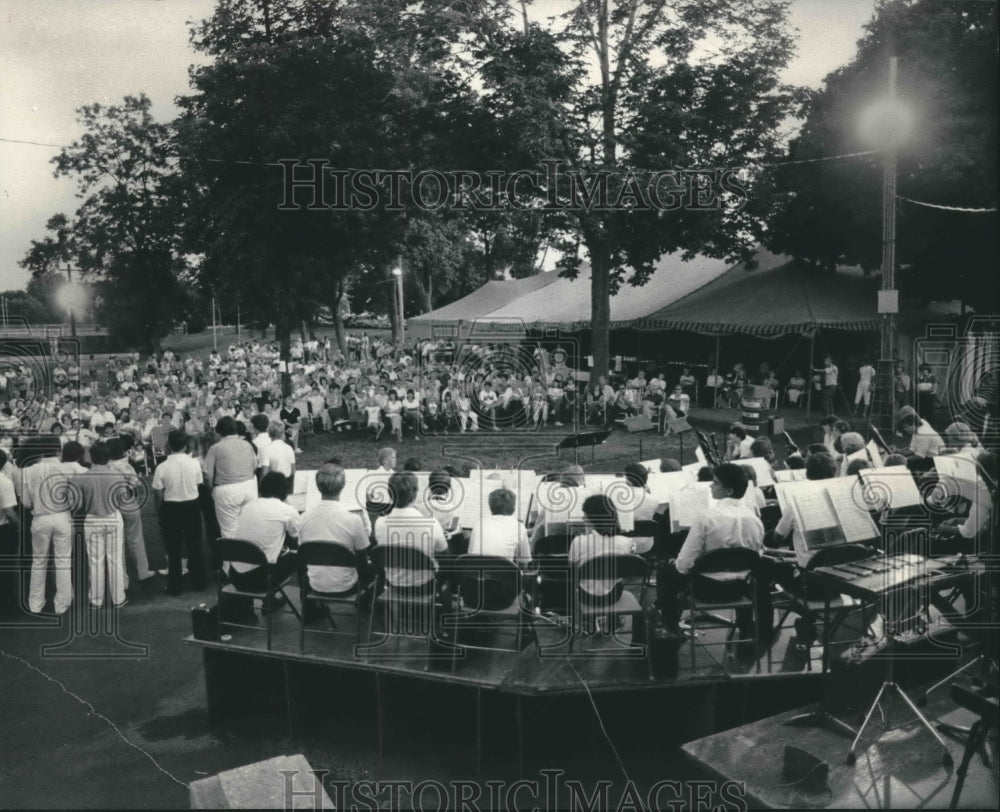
pixel 278 456
pixel 488 403
pixel 259 436
pixel 270 523
pixel 406 525
pixel 175 490
pixel 739 442
pixel 330 522
pixel 501 534
pixel 729 523
pixel 830 377
pixel 866 378
pixel 46 492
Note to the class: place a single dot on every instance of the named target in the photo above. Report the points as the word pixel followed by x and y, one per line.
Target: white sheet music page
pixel 812 504
pixel 892 487
pixel 848 504
pixel 687 504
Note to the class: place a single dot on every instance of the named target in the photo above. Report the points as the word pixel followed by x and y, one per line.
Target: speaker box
pixel 205 621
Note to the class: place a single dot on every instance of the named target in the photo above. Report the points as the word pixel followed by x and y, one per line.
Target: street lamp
pixel 71 297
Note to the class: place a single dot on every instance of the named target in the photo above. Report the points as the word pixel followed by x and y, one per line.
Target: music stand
pixel 890 685
pixel 578 441
pixel 680 427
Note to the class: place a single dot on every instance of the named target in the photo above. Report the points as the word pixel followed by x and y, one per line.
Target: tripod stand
pixel 890 686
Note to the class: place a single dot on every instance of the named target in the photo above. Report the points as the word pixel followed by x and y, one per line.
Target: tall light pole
pixel 72 309
pixel 397 272
pixel 215 332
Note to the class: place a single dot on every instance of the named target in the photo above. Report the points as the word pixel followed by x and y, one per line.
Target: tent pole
pixel 809 393
pixel 718 373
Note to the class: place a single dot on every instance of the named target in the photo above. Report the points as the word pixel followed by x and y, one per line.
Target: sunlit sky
pixel 60 54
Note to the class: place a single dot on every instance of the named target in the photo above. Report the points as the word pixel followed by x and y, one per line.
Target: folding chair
pixel 241 551
pixel 413 606
pixel 490 594
pixel 327 554
pixel 550 568
pixel 722 580
pixel 588 607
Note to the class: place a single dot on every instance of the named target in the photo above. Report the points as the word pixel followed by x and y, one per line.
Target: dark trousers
pixel 9 538
pixel 255 580
pixel 181 523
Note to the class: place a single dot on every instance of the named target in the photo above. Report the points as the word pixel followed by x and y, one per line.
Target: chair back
pixel 387 557
pixel 740 562
pixel 613 566
pixel 325 554
pixel 486 581
pixel 557 544
pixel 239 551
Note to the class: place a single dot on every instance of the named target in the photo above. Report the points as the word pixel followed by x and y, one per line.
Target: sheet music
pixel 301 480
pixel 852 514
pixel 688 503
pixel 890 488
pixel 693 469
pixel 473 506
pixel 765 476
pixel 880 439
pixel 662 486
pixel 875 453
pixel 959 472
pixel 790 475
pixel 812 503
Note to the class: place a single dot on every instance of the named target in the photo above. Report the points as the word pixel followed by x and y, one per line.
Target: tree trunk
pixel 338 318
pixel 394 316
pixel 283 335
pixel 600 312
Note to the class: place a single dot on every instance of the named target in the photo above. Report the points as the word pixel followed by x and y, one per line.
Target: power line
pixel 942 207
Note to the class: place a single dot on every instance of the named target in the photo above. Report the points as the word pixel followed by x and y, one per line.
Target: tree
pixel 124 235
pixel 831 212
pixel 687 84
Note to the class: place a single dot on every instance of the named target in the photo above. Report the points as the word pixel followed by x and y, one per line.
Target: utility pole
pixel 215 331
pixel 72 310
pixel 888 296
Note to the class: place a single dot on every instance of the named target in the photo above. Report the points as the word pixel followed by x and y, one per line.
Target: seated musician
pixel 406 525
pixel 971 534
pixel 796 385
pixel 851 442
pixel 924 441
pixel 602 538
pixel 501 534
pixel 669 465
pixel 738 443
pixel 818 466
pixel 963 440
pixel 646 505
pixel 727 524
pixel 330 522
pixel 571 477
pixel 273 525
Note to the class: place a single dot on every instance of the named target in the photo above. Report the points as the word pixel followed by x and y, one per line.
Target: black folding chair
pixel 327 554
pixel 409 610
pixel 241 551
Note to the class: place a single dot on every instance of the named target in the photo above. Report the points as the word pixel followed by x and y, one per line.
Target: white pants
pixel 135 542
pixel 105 540
pixel 864 391
pixel 51 534
pixel 465 418
pixel 229 501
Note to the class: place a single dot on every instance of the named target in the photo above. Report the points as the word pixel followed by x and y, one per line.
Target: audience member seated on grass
pixel 273 525
pixel 407 526
pixel 728 523
pixel 501 534
pixel 330 522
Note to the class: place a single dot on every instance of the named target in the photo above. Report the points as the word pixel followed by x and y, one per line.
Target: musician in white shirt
pixel 924 441
pixel 501 534
pixel 866 377
pixel 728 523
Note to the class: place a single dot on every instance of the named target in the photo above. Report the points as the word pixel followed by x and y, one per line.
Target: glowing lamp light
pixel 71 297
pixel 886 123
pixel 397 271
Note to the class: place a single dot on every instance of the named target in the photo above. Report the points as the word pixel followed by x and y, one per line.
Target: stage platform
pixel 501 696
pixel 896 769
